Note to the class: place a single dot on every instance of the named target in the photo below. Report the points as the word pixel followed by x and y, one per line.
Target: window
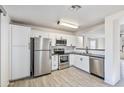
pixel 92 43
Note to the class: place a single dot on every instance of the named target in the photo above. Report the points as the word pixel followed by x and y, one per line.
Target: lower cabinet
pixel 71 59
pixel 55 62
pixel 81 62
pixel 84 61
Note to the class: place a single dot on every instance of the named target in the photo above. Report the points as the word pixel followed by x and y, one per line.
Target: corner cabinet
pixel 20 58
pixel 80 61
pixel 71 41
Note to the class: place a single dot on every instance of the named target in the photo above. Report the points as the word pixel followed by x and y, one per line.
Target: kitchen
pixel 42 55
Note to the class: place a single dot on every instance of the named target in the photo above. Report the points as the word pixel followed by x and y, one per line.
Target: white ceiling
pixel 48 15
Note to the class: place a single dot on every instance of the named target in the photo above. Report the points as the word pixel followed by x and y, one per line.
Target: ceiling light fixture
pixel 75 7
pixel 67 24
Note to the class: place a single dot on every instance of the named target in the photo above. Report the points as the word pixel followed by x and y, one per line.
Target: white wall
pixel 112 50
pixel 99 37
pixel 4 56
pixel 99 29
pixel 44 29
pixel 96 32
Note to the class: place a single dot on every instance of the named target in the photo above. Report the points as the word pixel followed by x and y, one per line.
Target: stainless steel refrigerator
pixel 40 56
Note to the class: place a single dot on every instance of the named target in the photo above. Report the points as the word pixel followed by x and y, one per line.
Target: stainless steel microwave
pixel 62 42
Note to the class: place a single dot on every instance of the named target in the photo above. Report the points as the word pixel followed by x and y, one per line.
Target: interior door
pixel 20 65
pixel 20 62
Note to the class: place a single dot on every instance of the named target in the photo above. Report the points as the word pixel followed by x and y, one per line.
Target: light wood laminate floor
pixel 70 77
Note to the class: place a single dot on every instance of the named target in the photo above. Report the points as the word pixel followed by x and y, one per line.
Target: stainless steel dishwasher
pixel 97 66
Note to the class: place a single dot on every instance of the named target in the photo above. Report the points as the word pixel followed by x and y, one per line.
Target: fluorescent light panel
pixel 68 24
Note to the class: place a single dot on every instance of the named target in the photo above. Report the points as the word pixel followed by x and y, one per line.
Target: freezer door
pixel 42 43
pixel 38 43
pixel 42 63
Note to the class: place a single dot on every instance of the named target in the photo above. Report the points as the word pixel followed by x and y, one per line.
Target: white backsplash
pixel 97 52
pixel 73 49
pixel 90 51
pixel 68 49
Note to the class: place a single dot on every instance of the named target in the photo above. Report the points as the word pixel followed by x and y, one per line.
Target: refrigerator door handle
pixel 50 54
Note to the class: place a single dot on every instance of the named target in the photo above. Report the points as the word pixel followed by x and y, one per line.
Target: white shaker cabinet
pixel 20 63
pixel 82 62
pixel 53 39
pixel 55 62
pixel 72 40
pixel 37 33
pixel 85 63
pixel 72 59
pixel 79 42
pixel 77 62
pixel 68 38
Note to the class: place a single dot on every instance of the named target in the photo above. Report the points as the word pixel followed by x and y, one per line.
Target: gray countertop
pixel 84 54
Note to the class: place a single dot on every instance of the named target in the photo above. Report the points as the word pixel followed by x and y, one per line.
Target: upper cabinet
pixel 79 42
pixel 37 33
pixel 53 39
pixel 20 35
pixel 71 39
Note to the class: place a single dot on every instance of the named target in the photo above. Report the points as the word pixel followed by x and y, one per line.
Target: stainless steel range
pixel 63 61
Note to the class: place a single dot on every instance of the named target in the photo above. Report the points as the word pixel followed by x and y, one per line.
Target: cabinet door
pixel 68 38
pixel 55 62
pixel 79 42
pixel 53 39
pixel 77 61
pixel 73 40
pixel 20 62
pixel 72 59
pixel 84 63
pixel 20 35
pixel 44 35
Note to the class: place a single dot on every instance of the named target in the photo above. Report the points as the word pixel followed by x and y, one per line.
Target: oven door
pixel 63 59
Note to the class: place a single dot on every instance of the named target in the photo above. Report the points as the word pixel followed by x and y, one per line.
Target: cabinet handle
pixel 81 59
